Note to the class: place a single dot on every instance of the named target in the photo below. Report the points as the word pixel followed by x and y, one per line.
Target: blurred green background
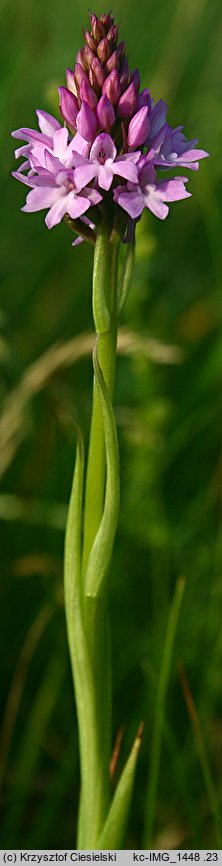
pixel 169 416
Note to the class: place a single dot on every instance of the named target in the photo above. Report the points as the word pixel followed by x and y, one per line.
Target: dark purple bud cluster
pixel 101 93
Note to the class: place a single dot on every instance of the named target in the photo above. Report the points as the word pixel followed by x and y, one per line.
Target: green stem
pixel 106 262
pixel 87 558
pixel 95 609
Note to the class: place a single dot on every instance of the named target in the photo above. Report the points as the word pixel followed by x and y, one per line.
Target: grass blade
pixel 158 724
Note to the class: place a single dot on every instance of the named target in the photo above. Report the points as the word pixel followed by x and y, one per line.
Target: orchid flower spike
pixel 112 130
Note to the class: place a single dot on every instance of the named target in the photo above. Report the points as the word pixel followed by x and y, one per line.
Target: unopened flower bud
pixel 121 49
pixel 112 35
pixel 105 113
pixel 139 128
pixel 98 29
pixel 90 41
pixel 124 74
pixel 104 50
pixel 128 101
pixel 113 62
pixel 87 94
pixel 107 20
pixel 144 98
pixel 68 106
pixel 86 122
pixel 124 138
pixel 89 57
pixel 70 81
pixel 112 87
pixel 80 58
pixel 135 77
pixel 96 74
pixel 79 75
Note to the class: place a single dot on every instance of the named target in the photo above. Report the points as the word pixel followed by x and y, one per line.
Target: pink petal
pixel 77 205
pixel 132 202
pixel 80 145
pixel 105 176
pixel 77 242
pixel 32 135
pixel 93 195
pixel 37 154
pixel 24 165
pixel 126 169
pixel 84 174
pixel 56 212
pixel 60 141
pixel 38 199
pixel 133 157
pixel 189 155
pixel 103 142
pixel 47 123
pixel 52 163
pixel 173 189
pixel 23 178
pixel 22 151
pixel 156 206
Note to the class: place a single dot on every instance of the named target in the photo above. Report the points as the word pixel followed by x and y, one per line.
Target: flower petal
pixel 39 199
pixel 126 169
pixel 80 145
pixel 23 178
pixel 93 195
pixel 85 173
pixel 173 189
pixel 104 143
pixel 132 202
pixel 22 151
pixel 60 141
pixel 56 212
pixel 32 135
pixel 47 123
pixel 105 176
pixel 77 205
pixel 156 206
pixel 52 163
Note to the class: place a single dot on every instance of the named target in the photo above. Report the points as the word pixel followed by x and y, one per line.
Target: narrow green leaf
pixel 204 758
pixel 116 824
pixel 72 560
pixel 92 795
pixel 158 724
pixel 126 275
pixel 102 548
